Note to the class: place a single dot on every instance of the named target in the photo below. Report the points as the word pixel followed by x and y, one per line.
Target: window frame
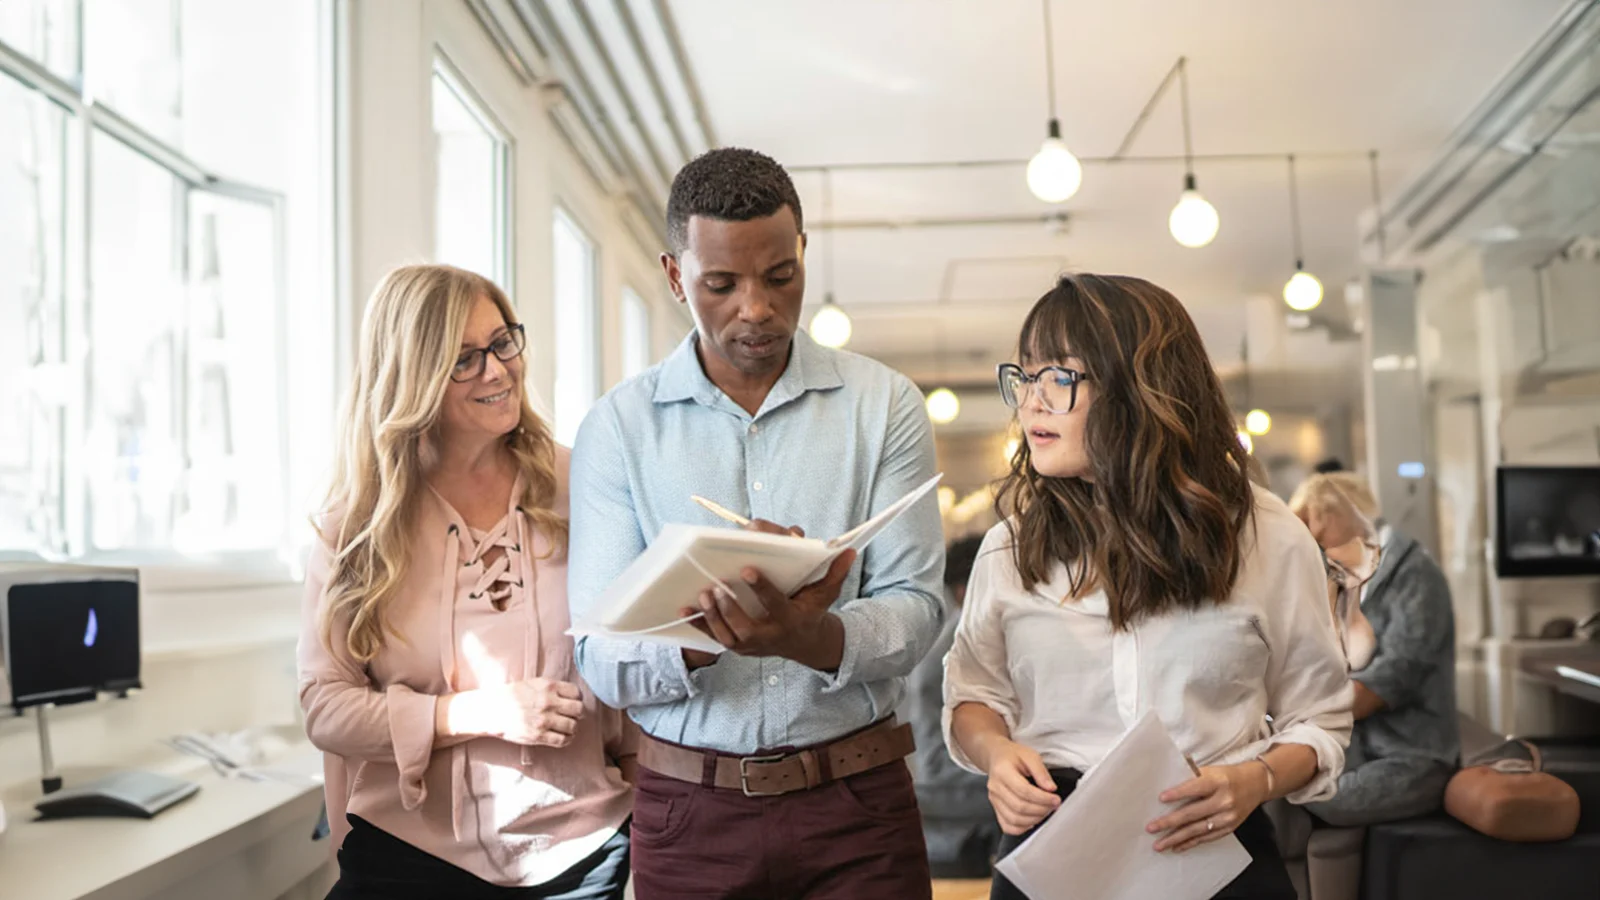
pixel 85 119
pixel 562 212
pixel 505 187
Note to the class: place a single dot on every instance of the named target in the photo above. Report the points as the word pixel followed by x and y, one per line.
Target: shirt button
pixel 756 486
pixel 755 429
pixel 772 680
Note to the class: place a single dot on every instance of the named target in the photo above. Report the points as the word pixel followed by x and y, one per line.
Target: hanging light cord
pixel 1377 207
pixel 1294 215
pixel 1188 141
pixel 827 215
pixel 1049 62
pixel 1244 357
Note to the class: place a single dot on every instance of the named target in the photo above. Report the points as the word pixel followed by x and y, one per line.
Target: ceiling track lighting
pixel 943 404
pixel 1303 291
pixel 1054 174
pixel 1194 221
pixel 830 327
pixel 1257 421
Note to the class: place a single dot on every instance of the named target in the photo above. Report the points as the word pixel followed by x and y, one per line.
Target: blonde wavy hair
pixel 1334 491
pixel 410 339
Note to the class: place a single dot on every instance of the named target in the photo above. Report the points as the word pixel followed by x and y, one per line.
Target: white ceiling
pixel 834 82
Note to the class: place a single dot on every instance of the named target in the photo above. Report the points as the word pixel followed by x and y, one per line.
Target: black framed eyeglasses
pixel 506 347
pixel 1057 386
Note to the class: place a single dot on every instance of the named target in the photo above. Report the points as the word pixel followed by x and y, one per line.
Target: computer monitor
pixel 1548 521
pixel 68 633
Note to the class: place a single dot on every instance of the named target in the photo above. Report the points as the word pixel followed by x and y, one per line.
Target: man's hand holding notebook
pixel 759 580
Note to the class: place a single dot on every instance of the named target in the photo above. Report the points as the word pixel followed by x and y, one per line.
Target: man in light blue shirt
pixel 773 769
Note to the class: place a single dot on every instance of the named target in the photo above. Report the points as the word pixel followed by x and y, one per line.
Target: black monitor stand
pixel 49 778
pixel 136 794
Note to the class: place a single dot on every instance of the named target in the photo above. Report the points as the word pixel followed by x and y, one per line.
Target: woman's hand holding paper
pixel 1214 803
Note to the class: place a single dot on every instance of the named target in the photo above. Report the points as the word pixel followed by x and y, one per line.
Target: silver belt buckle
pixel 744 773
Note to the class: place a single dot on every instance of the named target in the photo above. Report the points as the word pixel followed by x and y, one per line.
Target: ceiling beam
pixel 1059 219
pixel 629 107
pixel 659 90
pixel 1360 156
pixel 691 85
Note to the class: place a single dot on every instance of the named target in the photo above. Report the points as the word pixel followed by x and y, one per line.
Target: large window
pixel 577 341
pixel 635 334
pixel 45 31
pixel 33 382
pixel 143 291
pixel 470 183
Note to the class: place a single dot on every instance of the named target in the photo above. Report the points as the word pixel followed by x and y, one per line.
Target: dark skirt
pixel 376 865
pixel 1264 879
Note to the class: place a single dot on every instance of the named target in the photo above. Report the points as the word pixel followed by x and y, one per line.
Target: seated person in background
pixel 959 824
pixel 1405 745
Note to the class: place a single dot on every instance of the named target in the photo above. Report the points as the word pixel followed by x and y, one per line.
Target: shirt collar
pixel 811 368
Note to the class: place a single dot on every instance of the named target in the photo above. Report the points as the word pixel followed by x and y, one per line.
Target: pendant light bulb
pixel 1303 292
pixel 1054 174
pixel 1194 221
pixel 830 326
pixel 1257 422
pixel 943 406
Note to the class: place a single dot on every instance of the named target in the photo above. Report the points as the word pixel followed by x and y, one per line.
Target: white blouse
pixel 1228 681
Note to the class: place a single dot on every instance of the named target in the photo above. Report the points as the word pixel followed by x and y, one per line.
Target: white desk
pixel 234 839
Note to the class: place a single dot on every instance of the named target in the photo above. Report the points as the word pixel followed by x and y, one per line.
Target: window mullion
pixel 77 360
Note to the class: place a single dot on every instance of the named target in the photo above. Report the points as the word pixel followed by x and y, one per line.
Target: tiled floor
pixel 960 890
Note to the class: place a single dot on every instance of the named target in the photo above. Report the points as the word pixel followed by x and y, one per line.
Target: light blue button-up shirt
pixel 839 438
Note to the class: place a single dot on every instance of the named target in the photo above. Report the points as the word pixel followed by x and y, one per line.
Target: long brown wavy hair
pixel 1160 524
pixel 410 338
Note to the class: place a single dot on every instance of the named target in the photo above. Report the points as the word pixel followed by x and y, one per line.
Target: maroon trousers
pixel 859 837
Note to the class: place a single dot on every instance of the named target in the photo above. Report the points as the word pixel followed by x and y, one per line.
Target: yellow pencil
pixel 722 512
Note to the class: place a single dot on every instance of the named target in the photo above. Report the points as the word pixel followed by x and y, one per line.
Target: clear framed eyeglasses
pixel 1057 386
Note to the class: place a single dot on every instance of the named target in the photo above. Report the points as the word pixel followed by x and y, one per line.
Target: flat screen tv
pixel 68 634
pixel 1548 522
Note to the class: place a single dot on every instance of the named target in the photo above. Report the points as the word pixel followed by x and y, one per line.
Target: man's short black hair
pixel 731 184
pixel 958 559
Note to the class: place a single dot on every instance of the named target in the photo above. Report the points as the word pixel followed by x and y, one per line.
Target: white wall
pixel 219 644
pixel 393 170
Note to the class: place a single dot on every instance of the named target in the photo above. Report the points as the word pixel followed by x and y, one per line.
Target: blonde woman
pixel 1406 742
pixel 465 758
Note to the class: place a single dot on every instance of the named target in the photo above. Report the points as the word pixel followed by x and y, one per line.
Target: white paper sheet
pixel 1095 847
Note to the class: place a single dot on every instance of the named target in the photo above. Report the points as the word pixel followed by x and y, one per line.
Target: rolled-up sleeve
pixel 345 715
pixel 896 617
pixel 605 539
pixel 1418 637
pixel 976 670
pixel 1308 683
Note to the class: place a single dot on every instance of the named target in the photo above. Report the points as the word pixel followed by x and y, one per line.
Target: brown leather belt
pixel 780 773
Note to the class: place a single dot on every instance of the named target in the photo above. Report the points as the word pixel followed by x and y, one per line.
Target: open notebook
pixel 643 602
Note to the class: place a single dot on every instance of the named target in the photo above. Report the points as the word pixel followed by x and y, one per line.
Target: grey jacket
pixel 1414 670
pixel 944 789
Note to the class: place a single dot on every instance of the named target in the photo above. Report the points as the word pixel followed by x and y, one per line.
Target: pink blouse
pixel 512 815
